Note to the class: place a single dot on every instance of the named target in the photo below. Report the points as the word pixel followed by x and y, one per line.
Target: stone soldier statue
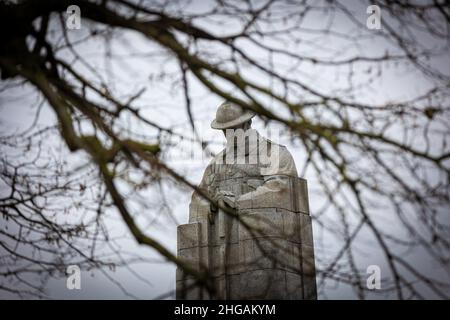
pixel 264 250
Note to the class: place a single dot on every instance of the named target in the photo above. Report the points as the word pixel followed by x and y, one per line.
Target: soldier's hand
pixel 226 197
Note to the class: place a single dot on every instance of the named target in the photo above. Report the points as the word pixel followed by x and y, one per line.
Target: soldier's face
pixel 233 128
pixel 234 135
pixel 244 126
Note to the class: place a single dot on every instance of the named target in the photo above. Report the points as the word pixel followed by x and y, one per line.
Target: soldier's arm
pixel 276 176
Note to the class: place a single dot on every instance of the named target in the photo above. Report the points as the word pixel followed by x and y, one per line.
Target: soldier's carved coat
pixel 261 183
pixel 246 180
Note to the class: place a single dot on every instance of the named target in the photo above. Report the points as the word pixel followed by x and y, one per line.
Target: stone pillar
pixel 272 259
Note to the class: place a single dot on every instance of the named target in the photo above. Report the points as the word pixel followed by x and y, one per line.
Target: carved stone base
pixel 266 252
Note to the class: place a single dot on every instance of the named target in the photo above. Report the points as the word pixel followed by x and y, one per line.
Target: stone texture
pixel 189 234
pixel 270 253
pixel 263 284
pixel 306 233
pixel 234 263
pixel 294 286
pixel 309 288
pixel 190 256
pixel 199 210
pixel 276 260
pixel 291 225
pixel 294 198
pixel 301 187
pixel 262 223
pixel 308 267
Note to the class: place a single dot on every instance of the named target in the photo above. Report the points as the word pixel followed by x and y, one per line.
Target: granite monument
pixel 257 243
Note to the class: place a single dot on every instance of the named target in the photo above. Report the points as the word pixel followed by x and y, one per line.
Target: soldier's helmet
pixel 230 115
